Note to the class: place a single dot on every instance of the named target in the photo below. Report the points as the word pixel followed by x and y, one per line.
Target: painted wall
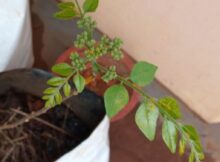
pixel 181 37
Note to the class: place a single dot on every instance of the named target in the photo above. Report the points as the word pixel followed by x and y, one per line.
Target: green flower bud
pixel 110 74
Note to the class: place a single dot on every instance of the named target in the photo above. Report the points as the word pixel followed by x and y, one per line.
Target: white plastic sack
pixel 94 149
pixel 15 37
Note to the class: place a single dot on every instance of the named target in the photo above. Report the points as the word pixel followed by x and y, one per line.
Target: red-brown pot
pixel 124 67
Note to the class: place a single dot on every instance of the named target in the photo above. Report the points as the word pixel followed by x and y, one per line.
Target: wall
pixel 181 37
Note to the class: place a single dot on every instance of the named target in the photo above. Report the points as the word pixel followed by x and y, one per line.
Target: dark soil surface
pixel 43 139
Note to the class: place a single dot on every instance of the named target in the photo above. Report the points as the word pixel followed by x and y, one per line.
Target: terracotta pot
pixel 124 67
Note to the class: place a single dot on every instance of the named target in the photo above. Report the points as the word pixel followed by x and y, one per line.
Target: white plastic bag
pixel 94 149
pixel 16 37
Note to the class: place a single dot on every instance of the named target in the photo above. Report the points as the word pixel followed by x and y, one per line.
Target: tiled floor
pixel 52 37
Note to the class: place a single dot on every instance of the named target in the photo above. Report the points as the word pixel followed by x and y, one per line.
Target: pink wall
pixel 181 37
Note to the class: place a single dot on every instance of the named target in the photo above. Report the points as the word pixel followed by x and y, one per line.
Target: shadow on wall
pixel 38 29
pixel 37 34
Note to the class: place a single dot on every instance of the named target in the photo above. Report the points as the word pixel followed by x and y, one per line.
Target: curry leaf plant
pixel 174 134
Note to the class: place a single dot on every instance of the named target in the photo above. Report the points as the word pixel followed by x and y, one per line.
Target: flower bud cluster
pixel 77 62
pixel 110 74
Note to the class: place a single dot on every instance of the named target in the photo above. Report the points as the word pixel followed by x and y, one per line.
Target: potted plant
pixel 116 97
pixel 73 75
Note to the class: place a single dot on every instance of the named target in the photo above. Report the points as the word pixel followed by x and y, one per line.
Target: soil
pixel 43 139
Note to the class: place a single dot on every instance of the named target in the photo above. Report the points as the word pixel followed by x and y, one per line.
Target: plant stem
pixel 152 100
pixel 43 121
pixel 25 119
pixel 79 8
pixel 162 111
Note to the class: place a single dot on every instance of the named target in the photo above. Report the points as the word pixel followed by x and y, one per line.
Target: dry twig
pixel 42 121
pixel 28 118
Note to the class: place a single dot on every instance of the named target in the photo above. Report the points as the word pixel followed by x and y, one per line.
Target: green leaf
pixel 169 134
pixel 171 106
pixel 66 14
pixel 46 97
pixel 66 89
pixel 49 103
pixel 146 119
pixel 115 98
pixel 198 146
pixel 58 98
pixel 191 132
pixel 195 139
pixel 79 82
pixel 90 5
pixel 182 146
pixel 143 73
pixel 50 90
pixel 55 81
pixel 191 156
pixel 62 69
pixel 201 155
pixel 64 5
